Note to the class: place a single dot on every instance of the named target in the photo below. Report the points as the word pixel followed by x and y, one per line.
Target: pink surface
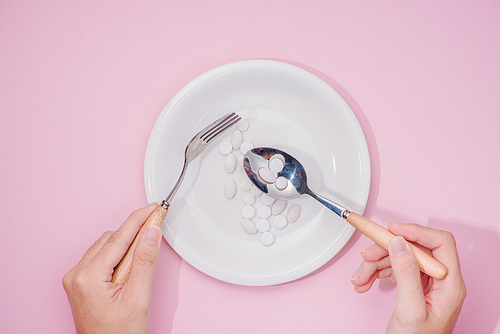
pixel 82 83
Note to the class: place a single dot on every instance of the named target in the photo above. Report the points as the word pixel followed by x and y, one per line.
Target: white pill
pixel 264 211
pixel 246 184
pixel 248 199
pixel 248 226
pixel 266 199
pixel 236 139
pixel 255 191
pixel 242 125
pixel 281 183
pixel 293 213
pixel 230 163
pixel 267 238
pixel 248 212
pixel 276 165
pixel 278 207
pixel 267 175
pixel 240 162
pixel 230 188
pixel 225 147
pixel 245 147
pixel 263 225
pixel 280 221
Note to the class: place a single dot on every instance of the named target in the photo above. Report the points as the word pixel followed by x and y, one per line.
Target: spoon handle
pixel 122 270
pixel 382 236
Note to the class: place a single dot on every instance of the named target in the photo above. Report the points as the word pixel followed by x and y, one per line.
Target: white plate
pixel 288 108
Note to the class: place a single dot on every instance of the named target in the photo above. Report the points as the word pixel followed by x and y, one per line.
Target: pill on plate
pixel 293 213
pixel 248 212
pixel 263 225
pixel 266 199
pixel 267 238
pixel 225 147
pixel 242 125
pixel 246 184
pixel 255 191
pixel 276 165
pixel 278 207
pixel 248 226
pixel 248 199
pixel 281 183
pixel 280 221
pixel 230 188
pixel 245 147
pixel 230 163
pixel 236 139
pixel 267 175
pixel 264 211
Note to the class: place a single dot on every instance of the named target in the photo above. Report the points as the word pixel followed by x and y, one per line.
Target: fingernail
pixel 153 204
pixel 153 235
pixel 367 248
pixel 356 273
pixel 398 246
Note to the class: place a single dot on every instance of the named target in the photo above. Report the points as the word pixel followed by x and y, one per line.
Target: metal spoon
pixel 295 174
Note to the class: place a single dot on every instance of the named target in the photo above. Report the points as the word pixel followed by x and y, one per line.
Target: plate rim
pixel 343 238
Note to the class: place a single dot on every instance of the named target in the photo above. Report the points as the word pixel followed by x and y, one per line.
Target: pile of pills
pixel 266 213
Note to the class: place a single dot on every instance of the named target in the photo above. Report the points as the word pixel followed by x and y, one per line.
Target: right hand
pixel 424 305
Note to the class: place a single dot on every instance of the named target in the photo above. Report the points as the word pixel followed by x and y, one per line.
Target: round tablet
pixel 255 191
pixel 293 213
pixel 264 211
pixel 267 175
pixel 276 165
pixel 280 221
pixel 267 238
pixel 246 184
pixel 248 199
pixel 278 207
pixel 266 199
pixel 230 163
pixel 263 225
pixel 245 147
pixel 225 147
pixel 248 212
pixel 248 226
pixel 230 188
pixel 281 183
pixel 242 125
pixel 236 139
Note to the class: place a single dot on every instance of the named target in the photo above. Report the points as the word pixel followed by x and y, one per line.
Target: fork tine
pixel 219 127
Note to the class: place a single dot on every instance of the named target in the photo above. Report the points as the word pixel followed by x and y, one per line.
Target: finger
pixel 138 286
pixel 373 253
pixel 407 272
pixel 92 251
pixel 117 244
pixel 368 271
pixel 441 243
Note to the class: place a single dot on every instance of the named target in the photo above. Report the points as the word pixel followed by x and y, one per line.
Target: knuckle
pixel 115 236
pixel 146 258
pixel 409 269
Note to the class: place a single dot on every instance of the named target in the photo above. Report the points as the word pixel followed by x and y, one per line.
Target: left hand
pixel 100 306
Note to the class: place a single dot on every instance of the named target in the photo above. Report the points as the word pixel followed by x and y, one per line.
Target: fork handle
pixel 122 270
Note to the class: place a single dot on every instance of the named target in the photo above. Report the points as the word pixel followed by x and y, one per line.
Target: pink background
pixel 82 83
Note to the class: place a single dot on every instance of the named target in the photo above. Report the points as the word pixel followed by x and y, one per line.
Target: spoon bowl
pixel 294 173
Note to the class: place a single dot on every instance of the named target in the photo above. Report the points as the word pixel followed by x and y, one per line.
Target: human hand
pixel 424 305
pixel 100 306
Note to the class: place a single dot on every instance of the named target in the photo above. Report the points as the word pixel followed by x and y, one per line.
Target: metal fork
pixel 193 149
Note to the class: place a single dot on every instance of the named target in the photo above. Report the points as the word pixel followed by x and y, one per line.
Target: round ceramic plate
pixel 287 108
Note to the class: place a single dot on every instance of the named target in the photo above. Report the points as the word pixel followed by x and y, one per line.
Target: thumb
pixel 143 264
pixel 405 267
